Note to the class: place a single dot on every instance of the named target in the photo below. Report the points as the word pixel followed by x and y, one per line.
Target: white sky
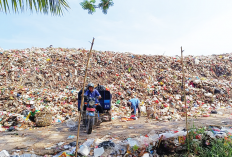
pixel 202 27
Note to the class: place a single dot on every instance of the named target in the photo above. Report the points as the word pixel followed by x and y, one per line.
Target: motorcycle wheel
pixel 90 125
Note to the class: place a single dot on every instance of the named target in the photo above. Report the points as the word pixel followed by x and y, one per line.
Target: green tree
pixel 55 7
pixel 91 5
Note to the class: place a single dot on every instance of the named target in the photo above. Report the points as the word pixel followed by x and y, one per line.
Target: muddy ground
pixel 35 140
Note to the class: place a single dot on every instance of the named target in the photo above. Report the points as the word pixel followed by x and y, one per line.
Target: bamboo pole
pixel 82 98
pixel 183 83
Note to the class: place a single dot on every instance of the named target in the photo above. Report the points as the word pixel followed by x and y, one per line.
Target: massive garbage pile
pixel 50 78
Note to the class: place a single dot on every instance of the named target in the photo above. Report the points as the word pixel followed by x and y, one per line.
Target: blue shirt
pixel 134 104
pixel 94 94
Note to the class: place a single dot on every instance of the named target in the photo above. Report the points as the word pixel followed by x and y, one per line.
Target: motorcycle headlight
pixel 91 103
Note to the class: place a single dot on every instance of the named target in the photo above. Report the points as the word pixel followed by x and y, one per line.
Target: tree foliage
pixel 90 5
pixel 55 7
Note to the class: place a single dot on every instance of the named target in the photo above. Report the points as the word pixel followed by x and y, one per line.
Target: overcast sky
pixel 202 27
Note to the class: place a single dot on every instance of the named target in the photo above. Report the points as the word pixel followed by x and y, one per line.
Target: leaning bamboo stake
pixel 183 81
pixel 82 98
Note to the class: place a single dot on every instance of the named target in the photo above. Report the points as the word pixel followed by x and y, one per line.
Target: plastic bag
pixel 143 109
pixel 144 140
pixel 154 137
pixel 106 144
pixel 133 142
pixel 4 153
pixel 70 123
pixel 84 150
pixel 98 151
pixel 89 142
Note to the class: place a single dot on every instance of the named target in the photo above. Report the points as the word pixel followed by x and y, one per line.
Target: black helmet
pixel 90 85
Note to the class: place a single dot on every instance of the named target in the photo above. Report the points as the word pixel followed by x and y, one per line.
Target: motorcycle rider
pixel 91 92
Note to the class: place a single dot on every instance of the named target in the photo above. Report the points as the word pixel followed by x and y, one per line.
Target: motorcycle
pixel 90 116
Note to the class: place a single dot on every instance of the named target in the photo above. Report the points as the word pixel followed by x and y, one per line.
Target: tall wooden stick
pixel 82 97
pixel 183 83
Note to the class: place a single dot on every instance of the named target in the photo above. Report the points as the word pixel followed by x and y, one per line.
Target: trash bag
pixel 106 144
pixel 213 112
pixel 70 123
pixel 73 144
pixel 25 113
pixel 11 128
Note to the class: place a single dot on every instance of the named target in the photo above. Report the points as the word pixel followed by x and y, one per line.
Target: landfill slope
pixel 50 79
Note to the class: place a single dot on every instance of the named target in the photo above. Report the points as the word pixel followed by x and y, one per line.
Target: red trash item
pixel 198 136
pixel 157 101
pixel 126 119
pixel 165 105
pixel 205 115
pixel 216 130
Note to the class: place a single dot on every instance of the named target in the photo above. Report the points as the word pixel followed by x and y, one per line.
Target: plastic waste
pixel 154 137
pixel 106 144
pixel 213 112
pixel 73 144
pixel 84 150
pixel 12 128
pixel 4 153
pixel 67 146
pixel 144 140
pixel 146 155
pixel 220 113
pixel 98 151
pixel 133 142
pixel 64 154
pixel 70 123
pixel 143 109
pixel 28 155
pixel 60 143
pixel 70 137
pixel 89 142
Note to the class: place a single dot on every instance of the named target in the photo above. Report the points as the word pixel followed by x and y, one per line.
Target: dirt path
pixel 36 140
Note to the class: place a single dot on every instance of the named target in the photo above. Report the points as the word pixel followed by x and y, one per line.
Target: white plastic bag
pixel 89 142
pixel 98 151
pixel 70 123
pixel 84 150
pixel 133 142
pixel 143 109
pixel 4 153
